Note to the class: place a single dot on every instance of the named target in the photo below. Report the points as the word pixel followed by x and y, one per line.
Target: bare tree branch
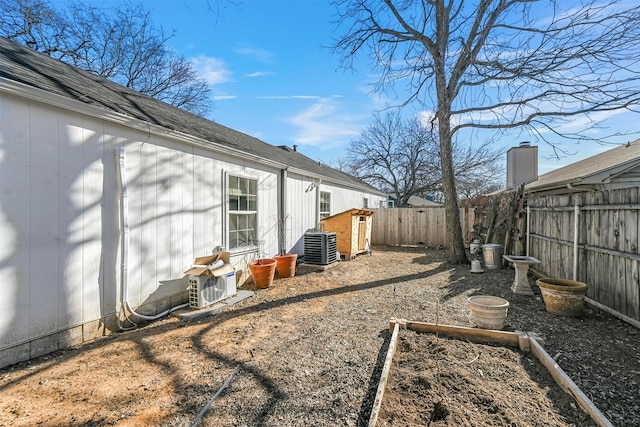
pixel 402 157
pixel 120 44
pixel 496 65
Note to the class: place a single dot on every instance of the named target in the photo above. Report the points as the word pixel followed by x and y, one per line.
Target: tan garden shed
pixel 353 231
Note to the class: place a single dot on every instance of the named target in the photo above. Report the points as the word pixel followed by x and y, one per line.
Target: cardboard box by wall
pixel 201 265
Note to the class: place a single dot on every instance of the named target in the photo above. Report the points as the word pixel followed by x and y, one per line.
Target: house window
pixel 243 207
pixel 325 204
pixel 365 203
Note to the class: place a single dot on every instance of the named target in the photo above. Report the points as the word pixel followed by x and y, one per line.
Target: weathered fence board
pixel 607 239
pixel 415 226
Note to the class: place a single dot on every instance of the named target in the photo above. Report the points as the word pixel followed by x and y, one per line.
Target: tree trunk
pixel 455 240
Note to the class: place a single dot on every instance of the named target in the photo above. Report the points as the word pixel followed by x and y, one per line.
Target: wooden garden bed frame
pixel 527 342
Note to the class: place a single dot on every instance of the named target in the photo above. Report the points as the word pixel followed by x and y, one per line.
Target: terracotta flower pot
pixel 262 271
pixel 563 297
pixel 286 265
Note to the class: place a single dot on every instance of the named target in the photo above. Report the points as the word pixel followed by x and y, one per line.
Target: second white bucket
pixel 489 312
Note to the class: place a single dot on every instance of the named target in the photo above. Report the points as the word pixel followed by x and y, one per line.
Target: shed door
pixel 362 233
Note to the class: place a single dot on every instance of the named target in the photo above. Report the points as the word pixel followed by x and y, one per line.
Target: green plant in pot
pixel 285 263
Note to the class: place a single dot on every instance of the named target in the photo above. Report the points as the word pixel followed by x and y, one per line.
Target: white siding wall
pixel 343 199
pixel 301 210
pixel 59 219
pixel 60 254
pixel 301 201
pixel 50 220
pixel 177 212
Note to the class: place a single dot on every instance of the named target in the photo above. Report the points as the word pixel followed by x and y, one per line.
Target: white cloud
pixel 260 74
pixel 213 70
pixel 290 97
pixel 224 97
pixel 326 124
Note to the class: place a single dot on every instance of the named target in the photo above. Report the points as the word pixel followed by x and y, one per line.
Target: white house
pixel 107 196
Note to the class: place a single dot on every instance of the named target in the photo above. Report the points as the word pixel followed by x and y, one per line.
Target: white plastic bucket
pixel 489 312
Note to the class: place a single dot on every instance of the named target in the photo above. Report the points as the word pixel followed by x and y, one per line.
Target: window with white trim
pixel 243 208
pixel 365 203
pixel 325 204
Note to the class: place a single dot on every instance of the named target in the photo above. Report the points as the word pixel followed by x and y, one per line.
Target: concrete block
pixel 91 330
pixel 44 345
pixel 163 304
pixel 239 296
pixel 178 299
pixel 70 337
pixel 15 354
pixel 201 313
pixel 148 309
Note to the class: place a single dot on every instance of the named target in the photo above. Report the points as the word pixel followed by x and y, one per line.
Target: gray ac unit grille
pixel 204 291
pixel 320 248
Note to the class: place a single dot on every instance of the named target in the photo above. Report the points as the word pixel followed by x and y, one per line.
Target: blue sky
pixel 271 76
pixel 273 79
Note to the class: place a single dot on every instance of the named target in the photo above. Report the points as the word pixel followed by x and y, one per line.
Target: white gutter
pixel 318 203
pixel 282 214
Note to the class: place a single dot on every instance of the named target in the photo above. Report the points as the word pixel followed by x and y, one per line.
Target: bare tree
pixel 120 44
pixel 401 157
pixel 498 64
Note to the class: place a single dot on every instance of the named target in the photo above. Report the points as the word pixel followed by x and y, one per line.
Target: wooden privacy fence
pixel 591 237
pixel 415 226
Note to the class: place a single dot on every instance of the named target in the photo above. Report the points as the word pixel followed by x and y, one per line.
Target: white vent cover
pixel 206 290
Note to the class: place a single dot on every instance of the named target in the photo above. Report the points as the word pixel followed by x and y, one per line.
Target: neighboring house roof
pixel 26 66
pixel 419 202
pixel 618 167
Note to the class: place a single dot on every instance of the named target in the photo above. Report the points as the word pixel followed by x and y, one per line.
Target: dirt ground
pixel 310 350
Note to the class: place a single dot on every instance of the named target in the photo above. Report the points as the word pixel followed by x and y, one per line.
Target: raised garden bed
pixel 480 377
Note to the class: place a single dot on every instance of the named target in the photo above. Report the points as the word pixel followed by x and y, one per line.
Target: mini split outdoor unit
pixel 320 247
pixel 206 290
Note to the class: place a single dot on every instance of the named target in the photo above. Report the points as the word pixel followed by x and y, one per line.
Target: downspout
pixel 318 204
pixel 282 215
pixel 576 229
pixel 124 232
pixel 528 227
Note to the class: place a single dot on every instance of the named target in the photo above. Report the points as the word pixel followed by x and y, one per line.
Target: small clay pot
pixel 286 265
pixel 263 271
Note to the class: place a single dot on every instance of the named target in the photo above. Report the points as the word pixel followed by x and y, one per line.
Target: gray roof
pixel 24 65
pixel 618 165
pixel 419 202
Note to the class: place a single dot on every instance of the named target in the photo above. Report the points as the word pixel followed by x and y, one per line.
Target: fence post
pixel 576 229
pixel 528 226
